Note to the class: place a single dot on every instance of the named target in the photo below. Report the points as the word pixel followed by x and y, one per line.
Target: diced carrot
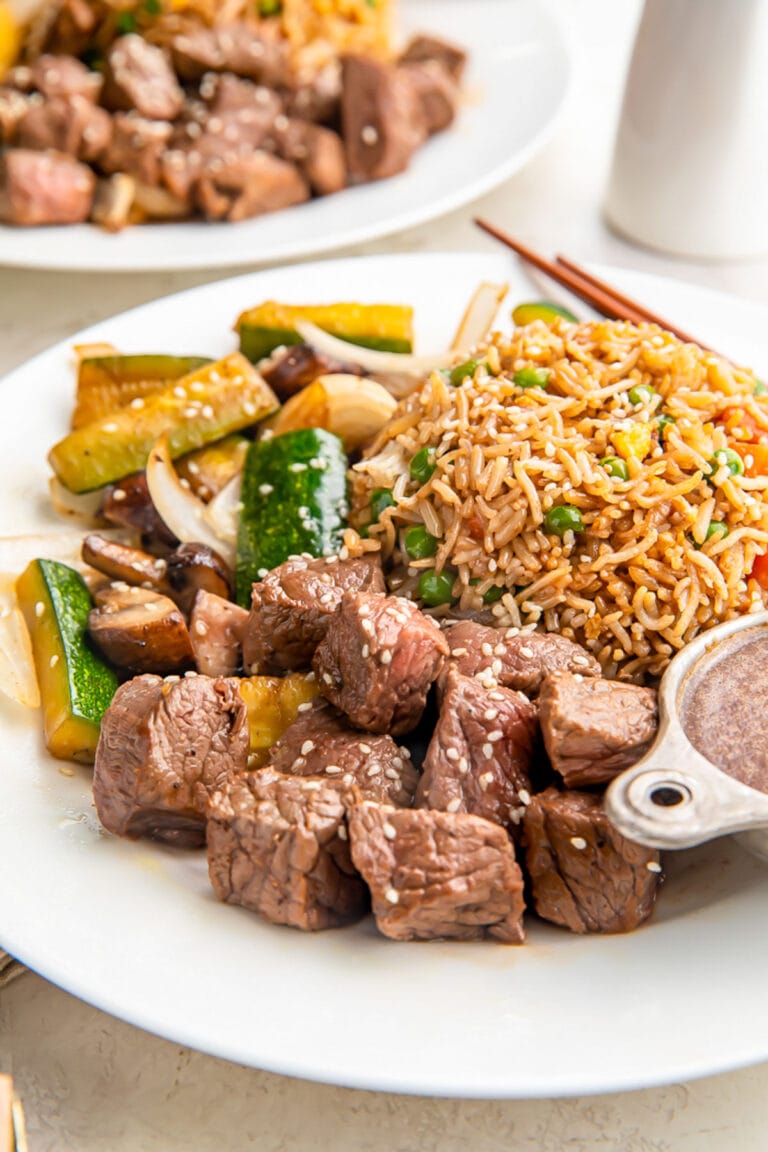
pixel 756 460
pixel 760 570
pixel 741 425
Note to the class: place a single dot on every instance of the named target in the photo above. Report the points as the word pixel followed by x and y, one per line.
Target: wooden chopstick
pixel 595 292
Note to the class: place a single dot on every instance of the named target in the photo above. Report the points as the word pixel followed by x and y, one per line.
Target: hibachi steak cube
pixel 320 742
pixel 584 874
pixel 378 658
pixel 436 875
pixel 165 746
pixel 480 755
pixel 278 846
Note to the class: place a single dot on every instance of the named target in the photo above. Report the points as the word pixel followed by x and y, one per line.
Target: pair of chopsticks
pixel 595 292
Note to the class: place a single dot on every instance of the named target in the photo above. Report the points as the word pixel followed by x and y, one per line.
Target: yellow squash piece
pixel 384 327
pixel 204 406
pixel 273 704
pixel 76 686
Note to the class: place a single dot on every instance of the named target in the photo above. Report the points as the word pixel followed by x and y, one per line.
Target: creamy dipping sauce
pixel 724 710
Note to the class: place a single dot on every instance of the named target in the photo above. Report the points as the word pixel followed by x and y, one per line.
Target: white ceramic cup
pixel 690 166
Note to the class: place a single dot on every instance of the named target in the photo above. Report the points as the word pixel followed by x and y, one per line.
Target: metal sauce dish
pixel 676 796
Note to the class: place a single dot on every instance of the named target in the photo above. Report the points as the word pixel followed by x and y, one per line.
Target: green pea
pixel 532 377
pixel 381 498
pixel 732 461
pixel 541 310
pixel 641 394
pixel 125 23
pixel 459 374
pixel 419 543
pixel 270 7
pixel 563 518
pixel 760 388
pixel 663 423
pixel 616 467
pixel 716 528
pixel 423 465
pixel 494 593
pixel 436 587
pixel 153 7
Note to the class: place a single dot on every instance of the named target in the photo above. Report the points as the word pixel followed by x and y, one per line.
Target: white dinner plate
pixel 516 82
pixel 134 928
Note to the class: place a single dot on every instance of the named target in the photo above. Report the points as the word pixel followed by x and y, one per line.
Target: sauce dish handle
pixel 663 806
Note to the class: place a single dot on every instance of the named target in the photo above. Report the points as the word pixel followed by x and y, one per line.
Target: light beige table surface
pixel 91 1082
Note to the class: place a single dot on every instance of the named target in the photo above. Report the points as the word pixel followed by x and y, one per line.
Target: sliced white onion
pixel 222 513
pixel 477 321
pixel 81 506
pixel 354 408
pixel 385 467
pixel 369 358
pixel 17 668
pixel 177 507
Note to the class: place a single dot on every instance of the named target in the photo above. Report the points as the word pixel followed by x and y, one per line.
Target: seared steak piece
pixel 480 756
pixel 584 875
pixel 291 607
pixel 317 152
pixel 315 98
pixel 428 48
pixel 278 845
pixel 140 78
pixel 381 117
pixel 13 108
pixel 249 186
pixel 139 629
pixel 436 875
pixel 232 47
pixel 504 656
pixel 165 746
pixel 72 125
pixel 321 743
pixel 44 188
pixel 137 146
pixel 437 93
pixel 68 28
pixel 225 94
pixel 594 729
pixel 377 660
pixel 216 627
pixel 64 76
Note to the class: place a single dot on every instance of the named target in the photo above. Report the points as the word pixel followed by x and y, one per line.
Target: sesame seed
pixel 332 770
pixel 347 779
pixel 386 656
pixel 342 832
pixel 458 651
pixel 389 831
pixel 366 748
pixel 581 661
pixel 579 842
pixel 452 754
pixel 463 766
pixel 527 652
pixel 490 714
pixel 497 667
pixel 307 747
pixel 112 427
pixel 297 467
pixel 392 896
pixel 524 796
pixel 495 736
pixel 391 774
pixel 496 696
pixel 499 650
pixel 369 135
pixel 485 780
pixel 486 649
pixel 201 628
pixel 365 651
pixel 180 393
pixel 367 627
pixel 372 771
pixel 262 572
pixel 652 866
pixel 39 609
pixel 453 805
pixel 54 660
pixel 488 751
pixel 305 707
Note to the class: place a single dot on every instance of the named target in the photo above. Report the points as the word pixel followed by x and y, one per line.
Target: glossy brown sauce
pixel 724 710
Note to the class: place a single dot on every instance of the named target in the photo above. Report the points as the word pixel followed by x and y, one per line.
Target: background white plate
pixel 516 81
pixel 134 928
